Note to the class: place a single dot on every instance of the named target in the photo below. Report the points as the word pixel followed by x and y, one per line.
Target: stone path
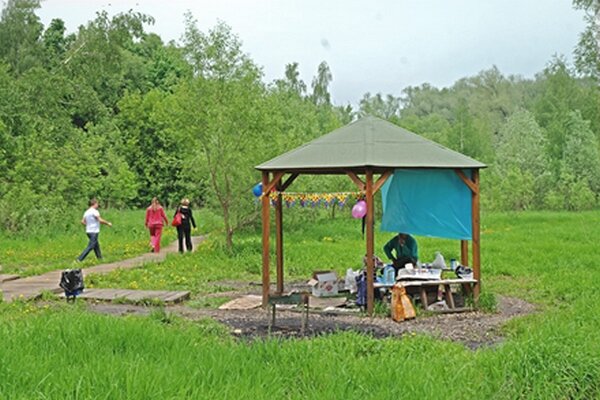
pixel 33 286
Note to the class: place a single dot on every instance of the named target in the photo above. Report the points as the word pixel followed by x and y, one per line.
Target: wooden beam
pixel 270 185
pixel 279 239
pixel 476 236
pixel 384 177
pixel 370 242
pixel 265 240
pixel 360 184
pixel 474 188
pixel 288 182
pixel 464 252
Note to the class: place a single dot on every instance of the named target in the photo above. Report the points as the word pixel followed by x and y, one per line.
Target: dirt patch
pixel 473 329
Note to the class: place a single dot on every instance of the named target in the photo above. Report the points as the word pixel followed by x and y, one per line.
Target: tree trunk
pixel 228 229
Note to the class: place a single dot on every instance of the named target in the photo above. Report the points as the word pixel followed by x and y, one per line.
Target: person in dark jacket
pixel 187 222
pixel 405 248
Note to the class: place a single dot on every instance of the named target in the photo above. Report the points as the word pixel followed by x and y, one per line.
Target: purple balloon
pixel 360 209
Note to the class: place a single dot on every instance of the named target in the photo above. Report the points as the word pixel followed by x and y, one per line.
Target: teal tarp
pixel 427 202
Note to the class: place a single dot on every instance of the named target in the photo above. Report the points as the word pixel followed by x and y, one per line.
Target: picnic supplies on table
pixel 464 272
pixel 419 274
pixel 402 307
pixel 350 280
pixel 439 261
pixel 71 281
pixel 389 274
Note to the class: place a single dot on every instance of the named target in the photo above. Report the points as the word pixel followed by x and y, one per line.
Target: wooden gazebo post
pixel 279 238
pixel 476 233
pixel 265 239
pixel 464 252
pixel 370 240
pixel 473 185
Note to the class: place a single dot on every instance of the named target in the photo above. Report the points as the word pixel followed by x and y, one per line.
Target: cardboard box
pixel 324 283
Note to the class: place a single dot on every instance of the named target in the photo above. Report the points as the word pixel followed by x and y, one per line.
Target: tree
pixel 320 85
pixel 153 148
pixel 222 112
pixel 581 156
pixel 387 107
pixel 587 52
pixel 558 95
pixel 292 82
pixel 56 43
pixel 20 32
pixel 522 144
pixel 467 136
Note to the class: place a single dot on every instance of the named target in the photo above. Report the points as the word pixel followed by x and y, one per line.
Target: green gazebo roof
pixel 368 142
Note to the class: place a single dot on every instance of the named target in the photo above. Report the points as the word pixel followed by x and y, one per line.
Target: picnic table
pixel 421 287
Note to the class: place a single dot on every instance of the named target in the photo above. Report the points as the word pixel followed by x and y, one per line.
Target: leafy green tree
pixel 522 144
pixel 320 85
pixel 467 135
pixel 100 59
pixel 154 150
pixel 433 126
pixel 56 43
pixel 292 82
pixel 20 33
pixel 558 95
pixel 345 114
pixel 571 193
pixel 587 52
pixel 222 111
pixel 581 155
pixel 387 107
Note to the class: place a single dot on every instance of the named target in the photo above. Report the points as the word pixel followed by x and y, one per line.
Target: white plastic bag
pixel 439 261
pixel 350 280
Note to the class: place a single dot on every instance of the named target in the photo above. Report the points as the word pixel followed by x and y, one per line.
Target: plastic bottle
pixel 389 274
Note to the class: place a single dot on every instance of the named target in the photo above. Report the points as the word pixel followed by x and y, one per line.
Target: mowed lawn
pixel 54 351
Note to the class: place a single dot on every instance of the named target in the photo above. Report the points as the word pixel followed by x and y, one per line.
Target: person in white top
pixel 92 220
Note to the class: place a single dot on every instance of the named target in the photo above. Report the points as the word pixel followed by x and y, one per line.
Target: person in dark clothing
pixel 405 248
pixel 187 222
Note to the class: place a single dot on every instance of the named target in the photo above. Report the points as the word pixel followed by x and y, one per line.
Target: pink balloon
pixel 360 209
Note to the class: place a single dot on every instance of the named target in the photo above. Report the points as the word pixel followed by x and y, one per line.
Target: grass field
pixel 55 352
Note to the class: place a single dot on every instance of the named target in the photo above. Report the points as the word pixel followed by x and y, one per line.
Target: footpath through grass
pixel 548 258
pixel 34 255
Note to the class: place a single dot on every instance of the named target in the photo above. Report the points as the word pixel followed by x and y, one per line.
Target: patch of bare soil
pixel 473 329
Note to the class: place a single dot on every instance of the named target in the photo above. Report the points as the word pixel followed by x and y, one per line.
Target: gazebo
pixel 377 150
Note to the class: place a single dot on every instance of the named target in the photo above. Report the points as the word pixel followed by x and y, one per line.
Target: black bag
pixel 71 280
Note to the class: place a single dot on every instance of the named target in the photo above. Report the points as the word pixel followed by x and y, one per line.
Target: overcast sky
pixel 370 46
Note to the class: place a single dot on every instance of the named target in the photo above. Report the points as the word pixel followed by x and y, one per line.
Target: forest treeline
pixel 112 111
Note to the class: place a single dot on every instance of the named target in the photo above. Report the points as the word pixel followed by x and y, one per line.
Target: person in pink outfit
pixel 155 220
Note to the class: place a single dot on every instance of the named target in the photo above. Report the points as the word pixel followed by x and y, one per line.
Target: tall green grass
pixel 71 354
pixel 547 258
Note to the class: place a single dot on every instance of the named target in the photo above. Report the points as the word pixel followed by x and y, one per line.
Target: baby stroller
pixel 71 281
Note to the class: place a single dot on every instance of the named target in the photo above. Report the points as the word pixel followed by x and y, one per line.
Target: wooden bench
pixel 422 285
pixel 300 299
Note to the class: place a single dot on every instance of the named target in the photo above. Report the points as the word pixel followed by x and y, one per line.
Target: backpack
pixel 71 281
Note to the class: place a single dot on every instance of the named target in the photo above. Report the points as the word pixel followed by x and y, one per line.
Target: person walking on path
pixel 155 220
pixel 187 221
pixel 92 220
